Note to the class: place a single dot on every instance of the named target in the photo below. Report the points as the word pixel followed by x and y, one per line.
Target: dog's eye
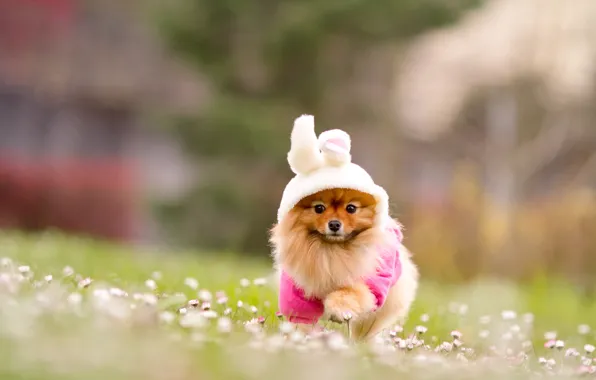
pixel 351 209
pixel 319 209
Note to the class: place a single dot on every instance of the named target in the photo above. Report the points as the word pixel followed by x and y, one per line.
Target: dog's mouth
pixel 335 237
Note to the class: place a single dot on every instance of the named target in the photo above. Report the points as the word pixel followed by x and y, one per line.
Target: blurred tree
pixel 268 62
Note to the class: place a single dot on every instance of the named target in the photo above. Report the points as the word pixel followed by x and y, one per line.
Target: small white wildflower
pixel 151 284
pixel 583 329
pixel 550 343
pixel 5 262
pixel 156 275
pixel 239 304
pixel 559 344
pixel 402 343
pixel 571 352
pixel 254 310
pixel 150 299
pixel 260 281
pixel 182 310
pixel 550 335
pixel 224 325
pixel 508 315
pixel 483 334
pixel 67 271
pixel 193 303
pixel 209 314
pixel 206 306
pixel 551 362
pixel 347 316
pixel 48 278
pixel 74 298
pixel 267 304
pixel 528 318
pixel 193 319
pixel 191 283
pixel 286 327
pixel 167 317
pixel 463 309
pixel 227 311
pixel 245 282
pixel 457 343
pixel 586 361
pixel 456 334
pixel 589 348
pixel 205 295
pixel 84 283
pixel 542 360
pixel 424 318
pixel 102 294
pixel 118 292
pixel 421 329
pixel 446 346
pixel 24 269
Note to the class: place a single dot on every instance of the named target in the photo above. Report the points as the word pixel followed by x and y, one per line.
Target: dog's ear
pixel 304 155
pixel 335 145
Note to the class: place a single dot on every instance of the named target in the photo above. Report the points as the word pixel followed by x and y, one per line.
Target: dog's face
pixel 336 215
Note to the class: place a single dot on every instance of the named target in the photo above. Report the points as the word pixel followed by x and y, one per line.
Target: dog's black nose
pixel 334 225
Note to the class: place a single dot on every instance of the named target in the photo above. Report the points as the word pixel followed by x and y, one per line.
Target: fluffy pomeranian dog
pixel 338 254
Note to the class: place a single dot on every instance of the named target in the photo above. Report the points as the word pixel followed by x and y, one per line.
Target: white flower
pixel 67 271
pixel 48 278
pixel 167 317
pixel 118 292
pixel 456 334
pixel 5 261
pixel 182 310
pixel 24 269
pixel 74 298
pixel 421 329
pixel 209 314
pixel 193 319
pixel 239 304
pixel 245 282
pixel 224 325
pixel 191 283
pixel 85 282
pixel 483 334
pixel 589 348
pixel 559 344
pixel 583 329
pixel 151 284
pixel 227 311
pixel 260 281
pixel 205 295
pixel 424 318
pixel 508 315
pixel 446 346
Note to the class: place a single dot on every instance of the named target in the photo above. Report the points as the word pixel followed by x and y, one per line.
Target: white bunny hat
pixel 325 163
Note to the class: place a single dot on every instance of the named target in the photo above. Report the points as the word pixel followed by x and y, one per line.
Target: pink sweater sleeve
pixel 295 306
pixel 388 272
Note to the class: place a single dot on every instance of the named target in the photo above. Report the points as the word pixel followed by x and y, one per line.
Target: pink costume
pixel 299 309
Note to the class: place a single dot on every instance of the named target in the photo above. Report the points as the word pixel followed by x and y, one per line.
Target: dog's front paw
pixel 349 303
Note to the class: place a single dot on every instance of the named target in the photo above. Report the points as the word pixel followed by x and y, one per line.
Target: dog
pixel 338 253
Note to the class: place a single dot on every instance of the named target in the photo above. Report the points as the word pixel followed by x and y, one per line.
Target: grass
pixel 141 316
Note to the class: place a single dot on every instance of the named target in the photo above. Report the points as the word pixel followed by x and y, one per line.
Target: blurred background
pixel 167 123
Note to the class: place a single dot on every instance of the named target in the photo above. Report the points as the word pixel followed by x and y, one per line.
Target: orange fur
pixel 355 300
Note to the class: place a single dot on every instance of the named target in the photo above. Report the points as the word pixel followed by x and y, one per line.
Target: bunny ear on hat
pixel 335 145
pixel 304 155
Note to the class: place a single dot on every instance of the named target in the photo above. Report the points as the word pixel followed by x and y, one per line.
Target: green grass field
pixel 115 312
